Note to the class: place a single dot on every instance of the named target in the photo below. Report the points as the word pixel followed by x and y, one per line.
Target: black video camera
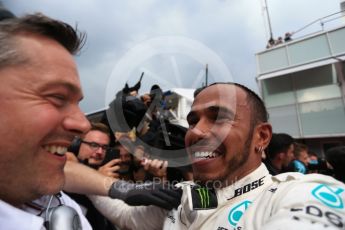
pixel 112 154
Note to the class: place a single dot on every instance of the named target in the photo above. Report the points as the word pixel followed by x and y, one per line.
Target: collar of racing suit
pixel 250 185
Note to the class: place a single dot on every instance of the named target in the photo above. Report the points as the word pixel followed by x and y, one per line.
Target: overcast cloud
pixel 234 30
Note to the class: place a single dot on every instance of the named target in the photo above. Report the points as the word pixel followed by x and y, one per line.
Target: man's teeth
pixel 205 155
pixel 60 150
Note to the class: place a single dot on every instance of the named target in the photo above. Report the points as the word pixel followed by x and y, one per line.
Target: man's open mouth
pixel 204 154
pixel 56 150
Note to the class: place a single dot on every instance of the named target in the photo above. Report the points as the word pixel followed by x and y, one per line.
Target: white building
pixel 303 85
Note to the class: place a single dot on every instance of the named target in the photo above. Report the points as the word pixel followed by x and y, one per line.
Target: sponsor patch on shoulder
pixel 203 198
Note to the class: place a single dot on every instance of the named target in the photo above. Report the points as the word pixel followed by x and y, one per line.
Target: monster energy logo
pixel 204 197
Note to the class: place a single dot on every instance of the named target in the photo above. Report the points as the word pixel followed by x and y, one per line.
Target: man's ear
pixel 263 135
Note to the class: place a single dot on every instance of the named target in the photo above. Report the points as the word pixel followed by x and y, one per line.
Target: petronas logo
pixel 204 197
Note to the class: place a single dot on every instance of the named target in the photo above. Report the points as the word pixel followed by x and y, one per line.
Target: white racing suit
pixel 257 201
pixel 260 201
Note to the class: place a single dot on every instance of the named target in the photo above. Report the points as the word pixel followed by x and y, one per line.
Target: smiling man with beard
pixel 228 130
pixel 223 139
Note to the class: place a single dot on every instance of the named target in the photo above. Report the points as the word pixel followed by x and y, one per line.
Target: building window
pixel 316 84
pixel 278 91
pixel 322 117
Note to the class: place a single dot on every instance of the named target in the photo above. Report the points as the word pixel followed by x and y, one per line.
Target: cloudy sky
pixel 171 41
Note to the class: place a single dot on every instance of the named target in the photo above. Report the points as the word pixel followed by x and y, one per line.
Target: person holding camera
pixel 91 150
pixel 94 151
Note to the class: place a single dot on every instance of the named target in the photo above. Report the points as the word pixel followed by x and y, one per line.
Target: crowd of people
pixel 274 42
pixel 59 171
pixel 284 154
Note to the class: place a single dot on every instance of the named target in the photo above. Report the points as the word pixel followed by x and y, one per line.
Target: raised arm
pixel 83 180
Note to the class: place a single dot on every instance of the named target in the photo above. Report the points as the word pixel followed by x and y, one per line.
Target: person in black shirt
pixel 279 153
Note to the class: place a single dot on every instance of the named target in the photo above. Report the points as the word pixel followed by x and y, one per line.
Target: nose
pixel 201 129
pixel 99 153
pixel 100 150
pixel 198 132
pixel 76 122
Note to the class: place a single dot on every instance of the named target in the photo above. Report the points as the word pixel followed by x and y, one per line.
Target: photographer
pixel 91 151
